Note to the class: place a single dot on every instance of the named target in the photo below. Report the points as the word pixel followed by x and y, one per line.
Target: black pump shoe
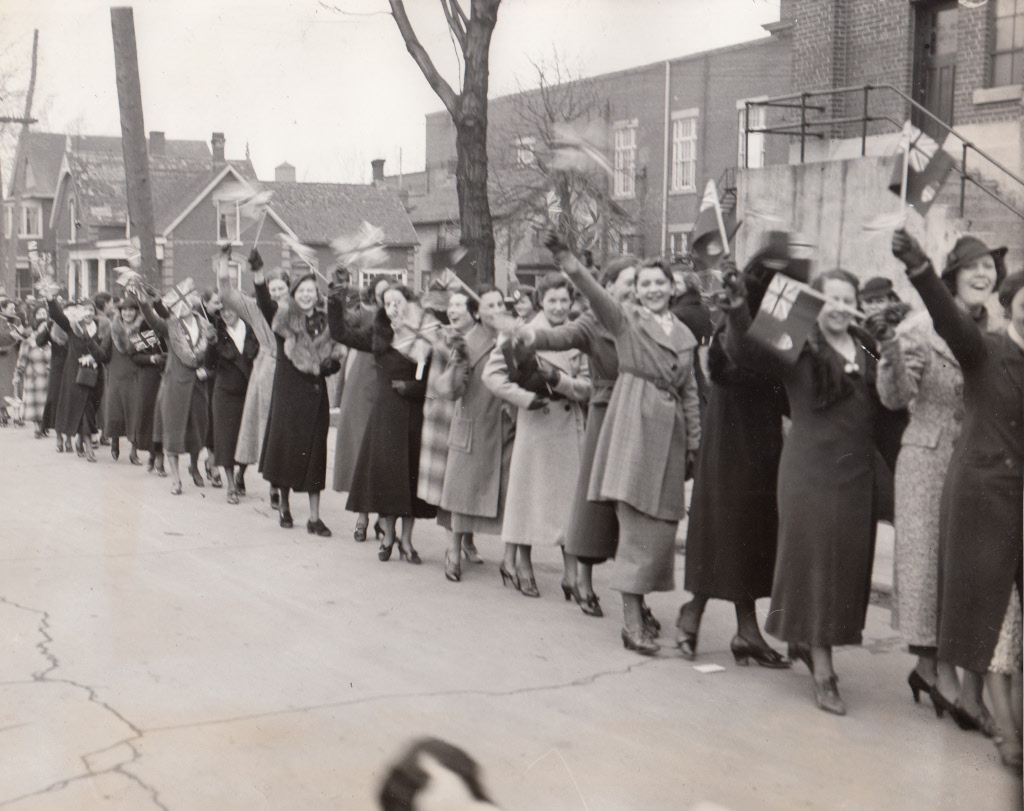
pixel 318 527
pixel 743 651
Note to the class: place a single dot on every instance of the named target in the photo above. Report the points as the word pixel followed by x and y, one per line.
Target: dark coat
pixel 387 468
pixel 732 534
pixel 149 354
pixel 231 381
pixel 980 524
pixel 825 491
pixel 58 341
pixel 76 408
pixel 120 404
pixel 294 453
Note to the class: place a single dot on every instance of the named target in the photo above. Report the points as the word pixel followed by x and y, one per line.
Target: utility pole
pixel 10 276
pixel 133 140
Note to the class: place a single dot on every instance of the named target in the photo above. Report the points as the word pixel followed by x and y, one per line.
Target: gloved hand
pixel 880 328
pixel 734 291
pixel 550 374
pixel 691 464
pixel 255 261
pixel 551 240
pixel 538 403
pixel 907 250
pixel 330 367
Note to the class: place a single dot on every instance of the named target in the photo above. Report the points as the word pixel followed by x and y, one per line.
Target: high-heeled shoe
pixel 232 495
pixel 60 444
pixel 826 696
pixel 240 482
pixel 176 489
pixel 79 447
pixel 567 590
pixel 133 458
pixel 469 552
pixel 115 448
pixel 359 534
pixel 150 464
pixel 1010 751
pixel 378 530
pixel 639 642
pixel 799 652
pixel 528 586
pixel 589 605
pixel 384 553
pixel 506 575
pixel 67 445
pixel 285 519
pixel 196 476
pixel 452 569
pixel 983 723
pixel 744 650
pixel 160 470
pixel 686 640
pixel 651 624
pixel 917 685
pixel 90 454
pixel 318 528
pixel 213 475
pixel 412 556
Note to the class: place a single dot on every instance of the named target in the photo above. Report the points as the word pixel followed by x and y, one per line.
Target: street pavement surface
pixel 183 653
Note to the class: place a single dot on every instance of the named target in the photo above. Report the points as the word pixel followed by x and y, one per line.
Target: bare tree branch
pixel 419 54
pixel 455 23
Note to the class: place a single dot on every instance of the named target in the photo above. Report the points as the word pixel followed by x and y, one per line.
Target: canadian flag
pixel 926 164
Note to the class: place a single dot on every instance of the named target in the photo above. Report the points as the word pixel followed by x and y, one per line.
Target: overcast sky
pixel 324 90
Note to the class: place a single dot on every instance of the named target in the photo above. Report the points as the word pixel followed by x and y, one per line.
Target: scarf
pixel 191 355
pixel 307 341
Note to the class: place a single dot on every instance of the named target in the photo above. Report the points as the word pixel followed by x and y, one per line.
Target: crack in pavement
pixel 44 676
pixel 583 681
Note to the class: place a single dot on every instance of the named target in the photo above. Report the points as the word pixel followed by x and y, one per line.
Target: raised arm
pixel 57 314
pixel 571 335
pixel 156 321
pixel 358 337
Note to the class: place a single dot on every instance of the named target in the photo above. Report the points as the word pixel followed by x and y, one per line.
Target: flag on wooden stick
pixel 181 298
pixel 924 167
pixel 362 250
pixel 786 317
pixel 713 229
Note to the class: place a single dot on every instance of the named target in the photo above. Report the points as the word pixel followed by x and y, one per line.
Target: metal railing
pixel 809 126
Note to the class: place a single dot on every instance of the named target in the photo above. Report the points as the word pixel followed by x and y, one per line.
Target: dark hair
pixel 610 272
pixel 836 275
pixel 407 292
pixel 472 304
pixel 485 288
pixel 101 300
pixel 278 273
pixel 1010 287
pixel 551 281
pixel 661 265
pixel 405 778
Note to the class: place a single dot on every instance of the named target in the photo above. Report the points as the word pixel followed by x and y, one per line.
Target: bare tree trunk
pixel 10 278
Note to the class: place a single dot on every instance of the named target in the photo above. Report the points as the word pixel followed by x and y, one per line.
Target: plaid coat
pixel 33 372
pixel 437 421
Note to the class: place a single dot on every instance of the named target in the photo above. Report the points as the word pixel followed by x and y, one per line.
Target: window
pixel 625 159
pixel 524 151
pixel 370 277
pixel 753 141
pixel 31 220
pixel 684 150
pixel 72 218
pixel 227 221
pixel 1008 50
pixel 677 243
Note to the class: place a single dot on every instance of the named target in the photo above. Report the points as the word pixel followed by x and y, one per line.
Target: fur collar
pixel 308 353
pixel 180 342
pixel 122 333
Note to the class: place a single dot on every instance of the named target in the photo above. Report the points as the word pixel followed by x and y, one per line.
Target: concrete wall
pixel 835 209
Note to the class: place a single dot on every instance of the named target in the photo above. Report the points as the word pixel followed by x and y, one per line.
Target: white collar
pixel 237 334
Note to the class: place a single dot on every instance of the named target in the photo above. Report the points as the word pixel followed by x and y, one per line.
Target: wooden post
pixel 133 140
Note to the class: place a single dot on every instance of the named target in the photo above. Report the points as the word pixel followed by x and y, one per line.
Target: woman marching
pixel 918 368
pixel 121 395
pixel 234 353
pixel 182 413
pixel 593 533
pixel 149 354
pixel 826 504
pixel 76 410
pixel 387 470
pixel 33 372
pixel 549 442
pixel 650 435
pixel 58 341
pixel 258 313
pixel 294 455
pixel 982 507
pixel 480 439
pixel 11 335
pixel 732 533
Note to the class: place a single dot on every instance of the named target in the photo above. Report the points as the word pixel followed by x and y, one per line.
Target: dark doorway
pixel 935 34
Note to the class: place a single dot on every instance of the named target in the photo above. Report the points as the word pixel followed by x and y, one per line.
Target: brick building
pixel 668 128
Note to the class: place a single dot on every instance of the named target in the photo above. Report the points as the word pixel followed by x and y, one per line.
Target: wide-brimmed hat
pixel 966 250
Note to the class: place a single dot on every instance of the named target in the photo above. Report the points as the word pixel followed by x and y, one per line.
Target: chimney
pixel 217 144
pixel 378 171
pixel 157 143
pixel 285 173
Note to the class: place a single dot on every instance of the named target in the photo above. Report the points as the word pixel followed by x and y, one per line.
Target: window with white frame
pixel 371 276
pixel 625 158
pixel 31 220
pixel 1008 45
pixel 524 151
pixel 684 150
pixel 751 145
pixel 227 221
pixel 677 243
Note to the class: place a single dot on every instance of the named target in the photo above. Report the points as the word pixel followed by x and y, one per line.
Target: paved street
pixel 185 654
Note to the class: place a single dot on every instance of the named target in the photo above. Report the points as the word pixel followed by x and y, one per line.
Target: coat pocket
pixel 460 437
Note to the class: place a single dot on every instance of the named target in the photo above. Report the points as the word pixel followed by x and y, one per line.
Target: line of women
pixel 582 433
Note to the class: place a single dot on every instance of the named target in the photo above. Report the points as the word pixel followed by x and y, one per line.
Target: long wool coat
pixel 480 441
pixel 918 370
pixel 149 354
pixel 258 315
pixel 827 512
pixel 294 451
pixel 233 370
pixel 182 410
pixel 34 372
pixel 732 532
pixel 387 469
pixel 357 396
pixel 10 345
pixel 437 423
pixel 549 445
pixel 120 404
pixel 58 341
pixel 76 409
pixel 982 512
pixel 593 531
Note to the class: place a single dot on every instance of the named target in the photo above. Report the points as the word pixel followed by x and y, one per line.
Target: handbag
pixel 88 376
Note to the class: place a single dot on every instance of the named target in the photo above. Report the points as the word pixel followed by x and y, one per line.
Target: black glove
pixel 734 291
pixel 255 260
pixel 549 373
pixel 551 240
pixel 537 404
pixel 330 367
pixel 879 327
pixel 691 464
pixel 907 250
